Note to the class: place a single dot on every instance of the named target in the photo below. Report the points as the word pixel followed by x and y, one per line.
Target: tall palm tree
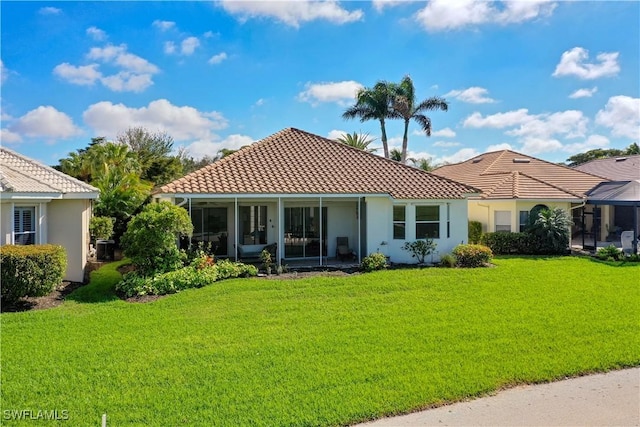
pixel 404 107
pixel 357 140
pixel 396 154
pixel 373 104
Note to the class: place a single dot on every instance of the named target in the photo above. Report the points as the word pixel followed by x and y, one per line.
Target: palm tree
pixel 396 155
pixel 424 164
pixel 357 140
pixel 404 107
pixel 373 104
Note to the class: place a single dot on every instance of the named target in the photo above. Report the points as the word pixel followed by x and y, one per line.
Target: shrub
pixel 552 226
pixel 150 239
pixel 101 227
pixel 507 243
pixel 265 256
pixel 472 255
pixel 610 253
pixel 448 260
pixel 30 271
pixel 375 261
pixel 420 248
pixel 475 232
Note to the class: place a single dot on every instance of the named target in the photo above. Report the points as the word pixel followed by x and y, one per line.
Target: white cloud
pixel 84 75
pixel 292 13
pixel 444 133
pixel 458 156
pixel 340 92
pixel 472 95
pixel 218 58
pixel 118 55
pixel 446 144
pixel 593 141
pixel 583 93
pixel 49 10
pixel 573 63
pixel 536 132
pixel 209 34
pixel 622 116
pixel 169 47
pixel 499 147
pixel 8 137
pixel 379 5
pixel 43 122
pixel 182 123
pixel 335 134
pixel 4 72
pixel 96 33
pixel 260 102
pixel 163 25
pixel 189 45
pixel 443 15
pixel 201 148
pixel 125 81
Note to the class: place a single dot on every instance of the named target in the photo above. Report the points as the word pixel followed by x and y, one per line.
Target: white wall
pixel 6 230
pixel 484 211
pixel 68 226
pixel 380 227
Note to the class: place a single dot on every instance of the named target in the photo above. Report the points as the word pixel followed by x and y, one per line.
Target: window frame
pixel 420 222
pixel 18 228
pixel 399 224
pixel 495 221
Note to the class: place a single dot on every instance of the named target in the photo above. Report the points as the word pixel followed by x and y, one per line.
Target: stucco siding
pixel 6 213
pixel 485 211
pixel 68 226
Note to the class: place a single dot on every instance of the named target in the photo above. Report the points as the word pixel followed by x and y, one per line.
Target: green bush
pixel 475 232
pixel 448 260
pixel 610 253
pixel 553 227
pixel 375 261
pixel 134 284
pixel 30 271
pixel 101 227
pixel 509 243
pixel 150 239
pixel 420 248
pixel 472 255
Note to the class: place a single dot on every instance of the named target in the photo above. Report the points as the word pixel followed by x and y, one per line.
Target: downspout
pixel 359 231
pixel 280 233
pixel 235 221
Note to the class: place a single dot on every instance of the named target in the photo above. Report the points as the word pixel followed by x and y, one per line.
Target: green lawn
pixel 319 351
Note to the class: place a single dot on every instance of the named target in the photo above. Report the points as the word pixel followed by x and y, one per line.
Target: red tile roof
pixel 293 161
pixel 509 175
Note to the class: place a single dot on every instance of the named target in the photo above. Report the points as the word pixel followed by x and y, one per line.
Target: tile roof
pixel 619 168
pixel 293 161
pixel 20 174
pixel 509 175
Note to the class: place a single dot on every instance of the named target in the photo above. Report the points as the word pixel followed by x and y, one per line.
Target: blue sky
pixel 547 78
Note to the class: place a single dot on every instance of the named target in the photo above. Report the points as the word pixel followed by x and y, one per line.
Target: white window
pixel 24 225
pixel 399 222
pixel 427 222
pixel 503 221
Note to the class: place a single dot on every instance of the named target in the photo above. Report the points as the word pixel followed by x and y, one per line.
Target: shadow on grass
pixel 101 287
pixel 621 263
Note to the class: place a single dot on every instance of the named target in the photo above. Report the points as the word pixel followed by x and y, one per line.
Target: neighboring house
pixel 618 199
pixel 512 184
pixel 302 191
pixel 39 205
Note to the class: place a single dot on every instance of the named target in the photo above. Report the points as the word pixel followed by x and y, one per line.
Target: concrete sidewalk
pixel 611 399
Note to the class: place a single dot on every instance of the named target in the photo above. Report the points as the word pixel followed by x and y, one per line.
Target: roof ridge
pixel 516 185
pixel 49 169
pixel 498 184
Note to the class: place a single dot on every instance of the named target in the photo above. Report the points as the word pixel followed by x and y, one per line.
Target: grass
pixel 319 351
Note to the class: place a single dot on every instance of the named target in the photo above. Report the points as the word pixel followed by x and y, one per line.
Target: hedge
pixel 518 243
pixel 30 270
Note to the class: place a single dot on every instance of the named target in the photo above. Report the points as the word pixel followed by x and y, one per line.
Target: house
pixel 618 199
pixel 40 205
pixel 302 192
pixel 513 184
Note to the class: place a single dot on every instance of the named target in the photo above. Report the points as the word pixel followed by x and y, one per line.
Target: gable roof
pixel 20 174
pixel 621 168
pixel 507 174
pixel 616 193
pixel 293 161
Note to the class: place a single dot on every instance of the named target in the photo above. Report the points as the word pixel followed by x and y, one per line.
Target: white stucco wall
pixel 484 211
pixel 68 226
pixel 6 213
pixel 380 227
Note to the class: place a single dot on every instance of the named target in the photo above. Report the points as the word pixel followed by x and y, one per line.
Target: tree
pixel 373 104
pixel 601 153
pixel 153 151
pixel 357 140
pixel 405 107
pixel 553 227
pixel 424 164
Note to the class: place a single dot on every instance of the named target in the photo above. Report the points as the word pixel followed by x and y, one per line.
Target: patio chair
pixel 343 251
pixel 626 240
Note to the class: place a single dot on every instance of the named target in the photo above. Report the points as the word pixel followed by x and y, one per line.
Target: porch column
pixel 235 225
pixel 635 228
pixel 596 227
pixel 358 201
pixel 280 247
pixel 320 228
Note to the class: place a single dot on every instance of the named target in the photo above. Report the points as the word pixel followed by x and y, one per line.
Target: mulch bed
pixel 54 299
